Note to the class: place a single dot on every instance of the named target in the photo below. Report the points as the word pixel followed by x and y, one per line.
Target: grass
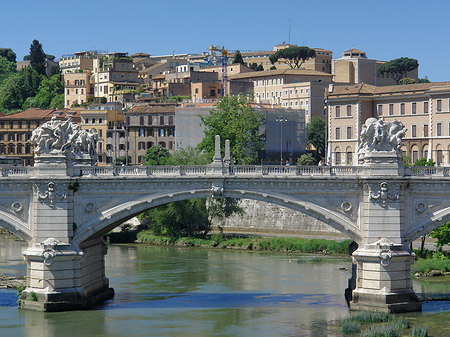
pixel 381 331
pixel 251 243
pixel 418 331
pixel 371 317
pixel 349 326
pixel 423 266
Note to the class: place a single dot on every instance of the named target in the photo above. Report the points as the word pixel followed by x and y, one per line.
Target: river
pixel 167 291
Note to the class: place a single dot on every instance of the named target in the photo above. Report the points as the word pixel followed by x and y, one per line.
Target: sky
pixel 385 30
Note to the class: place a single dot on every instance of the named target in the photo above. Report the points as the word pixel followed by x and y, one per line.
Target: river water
pixel 166 291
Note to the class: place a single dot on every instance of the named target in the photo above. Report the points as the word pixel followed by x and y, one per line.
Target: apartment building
pixel 423 108
pixel 355 67
pixel 112 75
pixel 16 131
pixel 77 88
pixel 147 126
pixel 289 88
pixel 78 62
pixel 108 120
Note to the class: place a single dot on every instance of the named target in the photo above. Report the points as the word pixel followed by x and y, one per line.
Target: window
pixel 438 129
pixel 161 132
pixel 141 120
pixel 425 130
pixel 19 137
pixel 380 110
pixel 68 92
pixel 170 120
pixel 415 156
pixel 391 109
pixel 93 120
pixel 439 105
pixel 438 157
pixel 349 158
pixel 413 108
pixel 100 121
pixel 20 125
pixel 413 131
pixel 141 132
pixel 349 132
pixel 402 108
pixel 337 133
pixel 425 107
pixel 349 110
pixel 338 158
pixel 161 120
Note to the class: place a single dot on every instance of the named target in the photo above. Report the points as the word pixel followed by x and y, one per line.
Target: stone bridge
pixel 63 206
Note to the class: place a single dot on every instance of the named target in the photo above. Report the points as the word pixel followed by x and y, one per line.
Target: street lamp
pixel 281 120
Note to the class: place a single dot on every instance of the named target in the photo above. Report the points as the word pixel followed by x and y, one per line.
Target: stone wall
pixel 265 217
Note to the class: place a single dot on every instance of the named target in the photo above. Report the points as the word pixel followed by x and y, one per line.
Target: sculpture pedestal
pixel 383 278
pixel 383 163
pixel 61 277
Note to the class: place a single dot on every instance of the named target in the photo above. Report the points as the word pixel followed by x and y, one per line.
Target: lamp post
pixel 281 120
pixel 115 131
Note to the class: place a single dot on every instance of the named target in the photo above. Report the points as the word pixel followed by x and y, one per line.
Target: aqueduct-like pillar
pixel 383 259
pixel 61 275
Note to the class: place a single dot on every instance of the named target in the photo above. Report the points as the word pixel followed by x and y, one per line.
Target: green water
pixel 164 291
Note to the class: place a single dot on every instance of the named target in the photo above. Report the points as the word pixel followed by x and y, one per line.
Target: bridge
pixel 64 205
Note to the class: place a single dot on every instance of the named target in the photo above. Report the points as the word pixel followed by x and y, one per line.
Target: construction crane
pixel 224 53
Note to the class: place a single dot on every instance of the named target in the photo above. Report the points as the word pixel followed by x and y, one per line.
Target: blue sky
pixel 383 29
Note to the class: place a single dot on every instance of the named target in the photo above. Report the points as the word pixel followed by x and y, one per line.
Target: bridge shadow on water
pixel 220 300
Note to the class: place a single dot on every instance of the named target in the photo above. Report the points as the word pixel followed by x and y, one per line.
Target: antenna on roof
pixel 289 32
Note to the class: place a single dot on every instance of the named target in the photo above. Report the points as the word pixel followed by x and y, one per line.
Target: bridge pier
pixel 62 277
pixel 383 278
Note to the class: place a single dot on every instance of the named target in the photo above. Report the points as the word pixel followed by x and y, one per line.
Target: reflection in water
pixel 162 291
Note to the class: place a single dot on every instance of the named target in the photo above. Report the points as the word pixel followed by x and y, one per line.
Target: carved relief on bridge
pixel 50 195
pixel 383 193
pixel 378 135
pixel 64 137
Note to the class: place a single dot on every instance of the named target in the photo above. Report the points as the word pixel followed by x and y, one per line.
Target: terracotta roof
pixel 322 50
pixel 353 50
pixel 152 109
pixel 140 54
pixel 41 114
pixel 362 88
pixel 266 73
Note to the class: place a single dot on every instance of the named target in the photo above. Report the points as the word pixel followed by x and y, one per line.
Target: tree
pixel 37 57
pixel 6 68
pixel 315 134
pixel 306 159
pixel 49 89
pixel 8 54
pixel 424 80
pixel 406 80
pixel 398 67
pixel 17 88
pixel 293 56
pixel 238 57
pixel 424 162
pixel 156 155
pixel 442 235
pixel 234 119
pixel 256 67
pixel 188 156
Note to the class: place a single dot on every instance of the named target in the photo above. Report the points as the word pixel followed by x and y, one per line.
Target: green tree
pixel 17 88
pixel 306 159
pixel 293 56
pixel 406 80
pixel 37 57
pixel 156 155
pixel 406 160
pixel 6 68
pixel 8 54
pixel 256 67
pixel 315 134
pixel 188 156
pixel 424 80
pixel 442 235
pixel 424 162
pixel 398 67
pixel 234 119
pixel 238 57
pixel 49 89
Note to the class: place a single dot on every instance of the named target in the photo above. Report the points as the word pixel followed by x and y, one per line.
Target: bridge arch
pixel 426 224
pixel 111 218
pixel 15 226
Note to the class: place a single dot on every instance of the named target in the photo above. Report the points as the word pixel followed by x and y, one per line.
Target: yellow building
pixel 77 88
pixel 423 108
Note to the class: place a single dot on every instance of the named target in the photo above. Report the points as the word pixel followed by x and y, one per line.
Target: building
pixel 289 88
pixel 283 130
pixel 423 108
pixel 108 120
pixel 77 88
pixel 78 62
pixel 50 66
pixel 147 126
pixel 355 67
pixel 16 130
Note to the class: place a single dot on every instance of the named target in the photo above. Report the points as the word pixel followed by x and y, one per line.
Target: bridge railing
pixel 17 171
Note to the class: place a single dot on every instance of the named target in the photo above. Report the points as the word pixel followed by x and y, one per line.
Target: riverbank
pixel 8 282
pixel 284 244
